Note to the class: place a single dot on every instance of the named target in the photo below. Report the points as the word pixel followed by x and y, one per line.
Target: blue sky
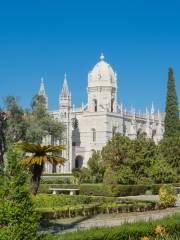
pixel 140 39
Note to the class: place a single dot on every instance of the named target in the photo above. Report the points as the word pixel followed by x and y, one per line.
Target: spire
pixel 42 91
pixel 152 108
pixel 102 57
pixel 42 88
pixel 65 90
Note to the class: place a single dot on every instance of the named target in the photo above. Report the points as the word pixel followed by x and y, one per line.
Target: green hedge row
pixel 101 190
pixel 94 209
pixel 57 174
pixel 63 206
pixel 134 231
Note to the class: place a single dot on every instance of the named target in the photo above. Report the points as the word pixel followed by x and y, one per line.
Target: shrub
pixel 18 218
pixel 57 180
pixel 168 195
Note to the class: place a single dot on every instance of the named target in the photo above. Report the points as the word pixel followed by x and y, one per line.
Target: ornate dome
pixel 102 71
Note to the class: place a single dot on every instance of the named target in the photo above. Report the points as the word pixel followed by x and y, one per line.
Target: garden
pixel 124 167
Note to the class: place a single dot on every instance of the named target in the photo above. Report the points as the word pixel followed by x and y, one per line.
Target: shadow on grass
pixel 56 227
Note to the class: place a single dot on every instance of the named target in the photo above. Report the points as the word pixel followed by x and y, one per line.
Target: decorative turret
pixel 42 91
pixel 65 95
pixel 152 112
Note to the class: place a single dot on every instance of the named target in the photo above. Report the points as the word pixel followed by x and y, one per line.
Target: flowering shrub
pixel 168 195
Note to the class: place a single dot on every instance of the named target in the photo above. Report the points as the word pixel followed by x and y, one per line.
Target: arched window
pixel 94 134
pixel 95 105
pixel 153 133
pixel 112 105
pixel 79 162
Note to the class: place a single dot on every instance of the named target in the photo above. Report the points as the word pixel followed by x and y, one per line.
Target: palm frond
pixel 38 148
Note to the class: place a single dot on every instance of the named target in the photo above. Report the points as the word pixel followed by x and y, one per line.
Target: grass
pixel 127 231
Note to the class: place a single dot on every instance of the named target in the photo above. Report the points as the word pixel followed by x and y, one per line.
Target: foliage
pixel 102 190
pixel 172 122
pixel 39 155
pixel 57 180
pixel 81 175
pixel 115 153
pixel 142 156
pixel 168 195
pixel 16 122
pixel 162 172
pixel 125 175
pixel 110 181
pixel 95 165
pixel 41 123
pixel 3 127
pixel 170 150
pixel 140 161
pixel 131 231
pixel 60 206
pixel 18 219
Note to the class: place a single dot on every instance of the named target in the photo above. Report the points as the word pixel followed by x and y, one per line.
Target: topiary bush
pixel 168 195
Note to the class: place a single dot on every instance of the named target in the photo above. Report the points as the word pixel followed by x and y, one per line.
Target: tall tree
pixel 3 127
pixel 172 122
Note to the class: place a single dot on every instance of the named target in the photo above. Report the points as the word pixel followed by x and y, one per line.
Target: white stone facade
pixel 99 119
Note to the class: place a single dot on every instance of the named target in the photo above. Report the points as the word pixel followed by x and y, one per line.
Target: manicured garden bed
pixel 63 206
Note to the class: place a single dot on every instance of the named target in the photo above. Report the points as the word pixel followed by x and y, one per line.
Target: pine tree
pixel 172 122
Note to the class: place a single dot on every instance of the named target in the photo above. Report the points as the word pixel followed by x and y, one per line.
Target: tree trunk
pixel 37 172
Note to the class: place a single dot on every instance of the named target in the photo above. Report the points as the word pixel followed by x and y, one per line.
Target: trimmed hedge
pixel 56 180
pixel 62 206
pixel 101 190
pixel 94 209
pixel 134 231
pixel 57 174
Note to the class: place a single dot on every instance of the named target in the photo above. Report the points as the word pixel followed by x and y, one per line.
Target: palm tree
pixel 38 155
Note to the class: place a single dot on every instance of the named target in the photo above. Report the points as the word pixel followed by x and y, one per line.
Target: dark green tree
pixel 142 155
pixel 3 127
pixel 170 150
pixel 162 172
pixel 172 122
pixel 96 167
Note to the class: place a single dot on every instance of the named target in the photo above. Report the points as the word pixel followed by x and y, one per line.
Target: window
pixel 112 103
pixel 114 130
pixel 95 105
pixel 94 134
pixel 79 162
